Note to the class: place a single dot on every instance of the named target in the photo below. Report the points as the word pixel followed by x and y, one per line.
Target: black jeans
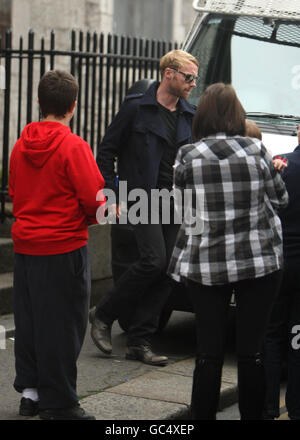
pixel 145 281
pixel 51 302
pixel 283 342
pixel 254 299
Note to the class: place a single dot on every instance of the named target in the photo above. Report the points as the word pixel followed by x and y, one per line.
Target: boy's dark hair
pixel 57 93
pixel 219 110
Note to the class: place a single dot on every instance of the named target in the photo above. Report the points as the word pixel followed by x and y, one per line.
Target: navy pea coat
pixel 290 216
pixel 137 138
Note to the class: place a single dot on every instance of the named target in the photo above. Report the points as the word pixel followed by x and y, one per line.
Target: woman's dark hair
pixel 219 110
pixel 57 92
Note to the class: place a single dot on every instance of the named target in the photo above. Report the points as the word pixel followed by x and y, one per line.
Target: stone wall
pixel 158 19
pixel 62 16
pixel 184 15
pixel 168 20
pixel 143 18
pixel 5 16
pixel 5 23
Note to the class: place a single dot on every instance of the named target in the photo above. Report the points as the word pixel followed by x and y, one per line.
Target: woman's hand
pixel 279 163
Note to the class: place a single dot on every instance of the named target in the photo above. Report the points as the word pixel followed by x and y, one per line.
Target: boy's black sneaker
pixel 74 413
pixel 28 407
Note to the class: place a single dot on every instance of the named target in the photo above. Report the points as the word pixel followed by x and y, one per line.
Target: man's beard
pixel 180 93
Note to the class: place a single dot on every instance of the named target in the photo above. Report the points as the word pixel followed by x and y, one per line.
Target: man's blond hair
pixel 176 59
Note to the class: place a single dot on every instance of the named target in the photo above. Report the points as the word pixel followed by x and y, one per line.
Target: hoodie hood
pixel 41 139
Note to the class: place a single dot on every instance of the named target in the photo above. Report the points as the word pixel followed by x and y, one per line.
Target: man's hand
pixel 114 211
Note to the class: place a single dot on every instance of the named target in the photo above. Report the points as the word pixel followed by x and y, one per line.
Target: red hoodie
pixel 53 182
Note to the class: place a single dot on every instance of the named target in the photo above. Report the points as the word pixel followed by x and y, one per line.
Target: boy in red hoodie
pixel 53 182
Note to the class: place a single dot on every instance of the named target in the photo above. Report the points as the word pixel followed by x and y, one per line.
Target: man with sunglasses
pixel 144 137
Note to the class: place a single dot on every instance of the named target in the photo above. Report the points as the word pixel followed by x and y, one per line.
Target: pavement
pixel 159 395
pixel 137 391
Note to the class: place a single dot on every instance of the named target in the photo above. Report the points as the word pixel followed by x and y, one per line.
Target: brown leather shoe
pixel 144 354
pixel 100 333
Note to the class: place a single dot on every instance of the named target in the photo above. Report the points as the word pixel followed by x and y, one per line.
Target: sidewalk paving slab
pixel 163 394
pixel 157 395
pixel 111 406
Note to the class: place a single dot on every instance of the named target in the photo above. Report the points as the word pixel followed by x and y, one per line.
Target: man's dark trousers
pixel 51 302
pixel 145 281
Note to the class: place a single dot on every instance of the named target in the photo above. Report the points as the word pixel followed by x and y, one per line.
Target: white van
pixel 255 46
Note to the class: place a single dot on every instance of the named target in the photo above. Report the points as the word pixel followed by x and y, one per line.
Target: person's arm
pixel 87 180
pixel 178 185
pixel 113 142
pixel 279 163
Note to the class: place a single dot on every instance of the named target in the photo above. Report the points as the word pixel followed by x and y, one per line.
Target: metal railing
pixel 104 65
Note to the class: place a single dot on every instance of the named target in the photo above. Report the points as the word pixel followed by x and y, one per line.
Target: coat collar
pixel 150 99
pixel 297 149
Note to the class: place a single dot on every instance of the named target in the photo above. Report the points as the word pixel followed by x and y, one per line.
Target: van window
pixel 259 57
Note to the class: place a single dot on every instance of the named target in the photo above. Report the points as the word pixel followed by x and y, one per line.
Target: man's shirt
pixel 165 174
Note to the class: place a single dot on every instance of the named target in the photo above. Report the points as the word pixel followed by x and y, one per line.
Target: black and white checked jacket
pixel 236 192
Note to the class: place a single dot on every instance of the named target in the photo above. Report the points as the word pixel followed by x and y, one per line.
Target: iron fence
pixel 105 66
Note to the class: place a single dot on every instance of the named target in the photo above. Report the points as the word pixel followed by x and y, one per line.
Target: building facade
pixel 158 19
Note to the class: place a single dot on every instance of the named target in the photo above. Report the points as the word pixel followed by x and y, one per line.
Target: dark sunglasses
pixel 188 77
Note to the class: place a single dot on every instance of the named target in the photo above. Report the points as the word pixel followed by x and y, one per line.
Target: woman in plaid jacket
pixel 230 240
